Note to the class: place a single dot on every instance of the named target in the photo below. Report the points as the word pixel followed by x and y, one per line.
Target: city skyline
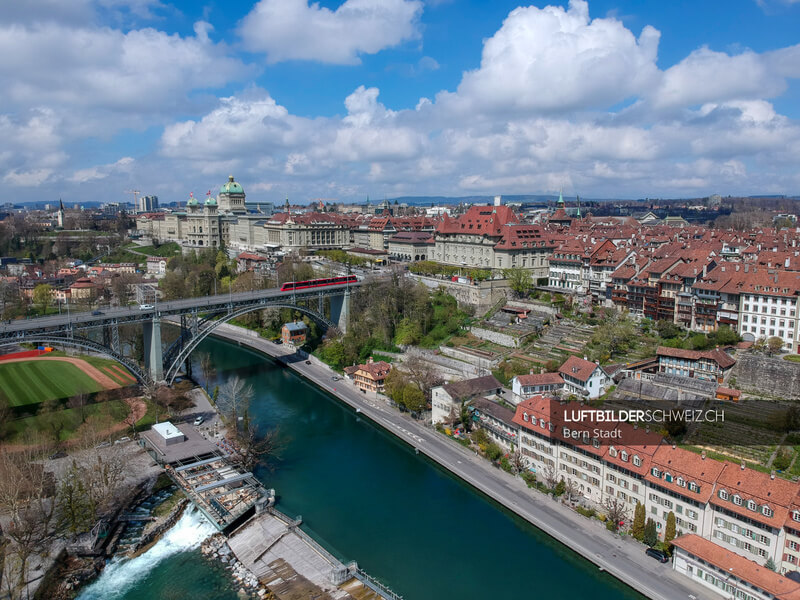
pixel 401 97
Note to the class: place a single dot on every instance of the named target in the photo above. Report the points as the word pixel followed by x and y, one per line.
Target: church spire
pixel 578 198
pixel 561 198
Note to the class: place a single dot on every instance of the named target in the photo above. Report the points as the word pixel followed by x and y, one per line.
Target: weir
pixel 291 564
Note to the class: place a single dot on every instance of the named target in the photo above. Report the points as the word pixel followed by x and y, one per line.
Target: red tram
pixel 311 283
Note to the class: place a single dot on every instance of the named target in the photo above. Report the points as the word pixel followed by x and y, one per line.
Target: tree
pixel 774 345
pixel 615 335
pixel 517 461
pixel 493 451
pixel 43 296
pixel 413 398
pixel 669 530
pixel 550 477
pixel 253 449
pixel 616 511
pixel 50 414
pixel 571 489
pixel 234 398
pixel 638 522
pixel 207 368
pixel 519 280
pixel 770 564
pixel 650 537
pixel 78 403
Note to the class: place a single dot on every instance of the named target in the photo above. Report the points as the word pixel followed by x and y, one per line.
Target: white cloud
pixel 706 76
pixel 124 164
pixel 295 30
pixel 550 59
pixel 139 72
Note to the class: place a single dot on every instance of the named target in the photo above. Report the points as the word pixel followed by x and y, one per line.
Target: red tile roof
pixel 578 368
pixel 541 379
pixel 737 566
pixel 722 358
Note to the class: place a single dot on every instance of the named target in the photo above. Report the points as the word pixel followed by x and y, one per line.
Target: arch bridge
pixel 196 317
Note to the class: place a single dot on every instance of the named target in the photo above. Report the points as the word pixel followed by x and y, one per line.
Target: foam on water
pixel 119 575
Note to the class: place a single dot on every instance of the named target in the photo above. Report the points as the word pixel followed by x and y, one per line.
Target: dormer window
pixel 655 472
pixel 595 442
pixel 681 481
pixel 694 487
pixel 525 416
pixel 751 505
pixel 766 511
pixel 737 499
pixel 624 456
pixel 551 427
pixel 723 495
pixel 541 423
pixel 796 515
pixel 637 461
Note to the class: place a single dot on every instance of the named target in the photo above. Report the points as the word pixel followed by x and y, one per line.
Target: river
pixel 366 497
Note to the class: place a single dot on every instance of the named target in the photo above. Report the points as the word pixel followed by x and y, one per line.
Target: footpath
pixel 622 557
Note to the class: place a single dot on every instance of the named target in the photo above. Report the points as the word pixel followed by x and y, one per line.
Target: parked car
pixel 308 362
pixel 146 307
pixel 335 378
pixel 97 312
pixel 199 420
pixel 659 555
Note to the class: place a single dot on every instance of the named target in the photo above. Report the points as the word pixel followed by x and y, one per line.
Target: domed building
pixel 231 197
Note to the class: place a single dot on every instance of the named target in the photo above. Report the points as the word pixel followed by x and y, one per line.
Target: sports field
pixel 34 381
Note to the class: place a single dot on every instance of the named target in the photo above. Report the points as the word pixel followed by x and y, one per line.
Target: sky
pixel 345 100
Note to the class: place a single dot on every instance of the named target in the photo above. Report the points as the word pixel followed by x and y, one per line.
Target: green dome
pixel 211 201
pixel 231 187
pixel 192 201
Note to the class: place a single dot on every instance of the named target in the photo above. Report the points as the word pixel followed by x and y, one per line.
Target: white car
pixel 199 420
pixel 146 307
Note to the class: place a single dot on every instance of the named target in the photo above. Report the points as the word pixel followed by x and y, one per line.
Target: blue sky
pixel 398 97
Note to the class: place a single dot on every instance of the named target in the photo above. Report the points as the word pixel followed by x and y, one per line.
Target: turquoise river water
pixel 366 497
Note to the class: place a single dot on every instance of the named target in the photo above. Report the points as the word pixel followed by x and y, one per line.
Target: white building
pixel 446 399
pixel 583 377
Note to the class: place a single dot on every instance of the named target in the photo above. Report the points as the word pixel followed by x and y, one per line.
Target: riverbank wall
pixel 618 556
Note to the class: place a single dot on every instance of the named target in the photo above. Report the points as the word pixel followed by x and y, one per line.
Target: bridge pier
pixel 340 310
pixel 153 355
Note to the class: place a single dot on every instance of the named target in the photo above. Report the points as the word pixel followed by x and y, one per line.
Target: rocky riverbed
pixel 216 547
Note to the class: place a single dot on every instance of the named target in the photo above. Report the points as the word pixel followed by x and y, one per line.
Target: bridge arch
pixel 84 344
pixel 207 327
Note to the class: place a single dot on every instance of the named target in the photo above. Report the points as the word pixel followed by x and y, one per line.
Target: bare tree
pixel 518 461
pixel 78 402
pixel 253 449
pixel 207 368
pixel 234 398
pixel 571 489
pixel 423 373
pixel 616 511
pixel 549 476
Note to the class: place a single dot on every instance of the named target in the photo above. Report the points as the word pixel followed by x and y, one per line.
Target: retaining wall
pixel 760 374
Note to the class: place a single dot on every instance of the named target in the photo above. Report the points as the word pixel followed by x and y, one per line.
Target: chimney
pixel 674 446
pixel 703 455
pixel 772 474
pixel 498 200
pixel 370 361
pixel 742 467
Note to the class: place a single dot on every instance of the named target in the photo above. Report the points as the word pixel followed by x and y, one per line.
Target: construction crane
pixel 135 199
